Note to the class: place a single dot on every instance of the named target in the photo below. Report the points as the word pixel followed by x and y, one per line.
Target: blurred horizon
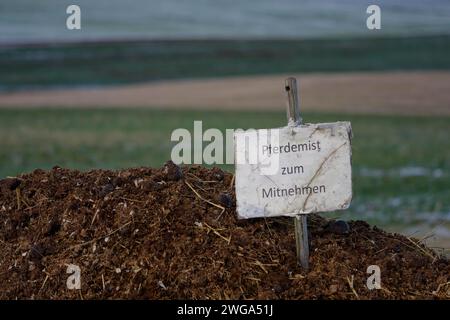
pixel 28 21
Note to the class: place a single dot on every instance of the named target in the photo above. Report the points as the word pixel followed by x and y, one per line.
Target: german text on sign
pixel 293 170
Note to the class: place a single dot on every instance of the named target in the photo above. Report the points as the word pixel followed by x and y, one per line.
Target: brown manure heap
pixel 172 233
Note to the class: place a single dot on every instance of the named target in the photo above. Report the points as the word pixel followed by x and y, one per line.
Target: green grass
pixel 86 64
pixel 382 147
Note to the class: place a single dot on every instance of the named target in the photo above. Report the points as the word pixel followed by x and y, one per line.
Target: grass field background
pixel 110 63
pixel 401 165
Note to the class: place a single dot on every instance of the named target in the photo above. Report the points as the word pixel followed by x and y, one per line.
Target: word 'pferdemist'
pixel 291 147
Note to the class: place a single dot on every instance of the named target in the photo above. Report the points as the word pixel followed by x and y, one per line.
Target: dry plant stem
pixel 200 180
pixel 102 237
pixel 422 250
pixel 441 285
pixel 95 216
pixel 43 284
pixel 350 283
pixel 132 200
pixel 216 232
pixel 232 182
pixel 206 200
pixel 18 198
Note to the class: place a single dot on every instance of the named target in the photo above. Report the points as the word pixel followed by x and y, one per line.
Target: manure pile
pixel 172 233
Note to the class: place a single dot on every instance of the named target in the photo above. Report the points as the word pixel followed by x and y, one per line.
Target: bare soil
pixel 172 233
pixel 405 93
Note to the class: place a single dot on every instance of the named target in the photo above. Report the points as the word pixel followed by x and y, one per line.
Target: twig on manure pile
pixel 228 240
pixel 348 267
pixel 268 227
pixel 381 250
pixel 231 183
pixel 43 284
pixel 201 188
pixel 413 294
pixel 254 279
pixel 103 282
pixel 386 290
pixel 21 199
pixel 95 216
pixel 6 244
pixel 259 264
pixel 350 284
pixel 206 200
pixel 99 238
pixel 200 180
pixel 132 200
pixel 18 198
pixel 441 285
pixel 296 276
pixel 416 247
pixel 426 237
pixel 422 249
pixel 262 265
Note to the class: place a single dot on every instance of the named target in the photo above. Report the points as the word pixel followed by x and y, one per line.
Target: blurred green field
pixel 106 63
pixel 401 165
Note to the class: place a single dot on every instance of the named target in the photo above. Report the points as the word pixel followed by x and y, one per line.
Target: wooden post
pixel 300 221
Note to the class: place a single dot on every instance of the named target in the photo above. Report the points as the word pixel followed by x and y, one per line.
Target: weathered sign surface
pixel 293 170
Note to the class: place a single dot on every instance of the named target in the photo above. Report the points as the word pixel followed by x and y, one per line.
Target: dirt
pixel 389 92
pixel 172 233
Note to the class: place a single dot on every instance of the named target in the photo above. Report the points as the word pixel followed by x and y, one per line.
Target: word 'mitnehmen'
pixel 289 192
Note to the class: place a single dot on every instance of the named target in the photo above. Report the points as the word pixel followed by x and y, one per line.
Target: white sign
pixel 293 170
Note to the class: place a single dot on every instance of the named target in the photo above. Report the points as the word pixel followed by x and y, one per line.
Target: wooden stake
pixel 300 221
pixel 293 107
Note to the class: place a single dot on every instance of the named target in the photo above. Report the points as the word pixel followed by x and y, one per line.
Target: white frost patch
pixel 403 172
pixel 369 172
pixel 441 232
pixel 395 202
pixel 412 172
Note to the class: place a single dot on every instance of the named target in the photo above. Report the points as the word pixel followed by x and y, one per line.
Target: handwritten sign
pixel 293 170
